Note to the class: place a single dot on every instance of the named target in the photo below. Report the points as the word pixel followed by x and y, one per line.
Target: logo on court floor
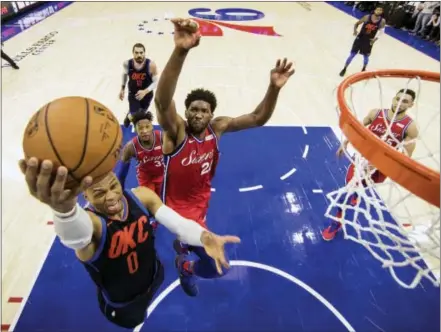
pixel 212 23
pixel 36 48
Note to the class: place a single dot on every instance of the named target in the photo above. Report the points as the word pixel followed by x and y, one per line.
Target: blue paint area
pixel 424 46
pixel 280 226
pixel 29 19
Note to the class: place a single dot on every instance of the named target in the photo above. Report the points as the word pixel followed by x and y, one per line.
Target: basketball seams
pixel 108 153
pixel 48 134
pixel 86 138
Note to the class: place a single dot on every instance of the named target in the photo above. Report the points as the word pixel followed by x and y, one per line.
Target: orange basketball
pixel 78 133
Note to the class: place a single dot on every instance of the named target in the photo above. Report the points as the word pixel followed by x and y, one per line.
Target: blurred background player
pixel 393 126
pixel 113 237
pixel 146 148
pixel 191 150
pixel 371 30
pixel 143 77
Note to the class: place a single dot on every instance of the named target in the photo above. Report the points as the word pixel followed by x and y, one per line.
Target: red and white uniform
pixel 150 163
pixel 379 127
pixel 188 173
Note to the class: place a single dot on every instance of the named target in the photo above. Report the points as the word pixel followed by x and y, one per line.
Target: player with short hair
pixel 372 28
pixel 113 237
pixel 143 77
pixel 146 148
pixel 393 126
pixel 190 146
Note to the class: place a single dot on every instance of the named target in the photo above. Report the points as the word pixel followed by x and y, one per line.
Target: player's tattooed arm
pixel 410 139
pixel 128 152
pixel 280 74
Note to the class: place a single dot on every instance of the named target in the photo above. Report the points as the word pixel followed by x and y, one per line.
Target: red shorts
pixel 193 213
pixel 153 184
pixel 377 176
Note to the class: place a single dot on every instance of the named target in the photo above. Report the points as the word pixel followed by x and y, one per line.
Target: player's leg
pixel 365 50
pixel 334 227
pixel 134 106
pixel 354 50
pixel 146 101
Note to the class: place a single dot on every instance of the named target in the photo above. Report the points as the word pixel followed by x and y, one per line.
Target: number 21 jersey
pixel 188 173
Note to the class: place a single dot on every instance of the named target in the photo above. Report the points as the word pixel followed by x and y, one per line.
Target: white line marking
pixel 213 189
pixel 317 191
pixel 305 152
pixel 250 188
pixel 264 267
pixel 304 130
pixel 288 174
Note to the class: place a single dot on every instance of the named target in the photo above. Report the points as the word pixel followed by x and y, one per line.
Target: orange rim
pixel 415 177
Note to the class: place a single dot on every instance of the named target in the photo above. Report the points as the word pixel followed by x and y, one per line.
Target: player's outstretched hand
pixel 186 34
pixel 281 73
pixel 51 191
pixel 214 246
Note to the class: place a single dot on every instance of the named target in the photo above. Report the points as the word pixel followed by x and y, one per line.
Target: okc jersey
pixel 125 261
pixel 188 173
pixel 397 132
pixel 150 164
pixel 139 79
pixel 369 29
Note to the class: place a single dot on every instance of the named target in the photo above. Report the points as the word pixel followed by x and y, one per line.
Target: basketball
pixel 79 133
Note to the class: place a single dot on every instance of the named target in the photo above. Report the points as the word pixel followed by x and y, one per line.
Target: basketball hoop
pixel 384 219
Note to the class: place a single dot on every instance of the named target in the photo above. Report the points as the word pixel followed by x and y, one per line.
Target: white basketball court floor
pixel 91 40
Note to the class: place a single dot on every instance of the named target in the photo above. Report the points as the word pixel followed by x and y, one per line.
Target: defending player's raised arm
pixel 186 36
pixel 410 139
pixel 280 74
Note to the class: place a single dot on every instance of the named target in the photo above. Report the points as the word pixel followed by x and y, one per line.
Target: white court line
pixel 213 189
pixel 305 152
pixel 288 174
pixel 304 130
pixel 25 298
pixel 317 191
pixel 264 267
pixel 250 188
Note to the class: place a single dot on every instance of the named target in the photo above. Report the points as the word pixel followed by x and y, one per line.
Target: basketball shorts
pixel 135 105
pixel 153 184
pixel 362 46
pixel 377 176
pixel 134 313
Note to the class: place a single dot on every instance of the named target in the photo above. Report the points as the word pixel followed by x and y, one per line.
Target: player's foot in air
pixel 127 121
pixel 331 231
pixel 343 72
pixel 187 279
pixel 363 69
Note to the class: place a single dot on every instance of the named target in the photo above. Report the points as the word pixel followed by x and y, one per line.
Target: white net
pixel 398 228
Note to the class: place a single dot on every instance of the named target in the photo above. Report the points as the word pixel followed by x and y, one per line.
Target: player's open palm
pixel 42 185
pixel 281 73
pixel 186 34
pixel 214 246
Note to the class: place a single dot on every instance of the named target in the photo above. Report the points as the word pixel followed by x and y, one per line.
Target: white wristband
pixel 188 231
pixel 67 214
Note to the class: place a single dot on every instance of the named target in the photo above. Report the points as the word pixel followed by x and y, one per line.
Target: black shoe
pixel 363 69
pixel 343 72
